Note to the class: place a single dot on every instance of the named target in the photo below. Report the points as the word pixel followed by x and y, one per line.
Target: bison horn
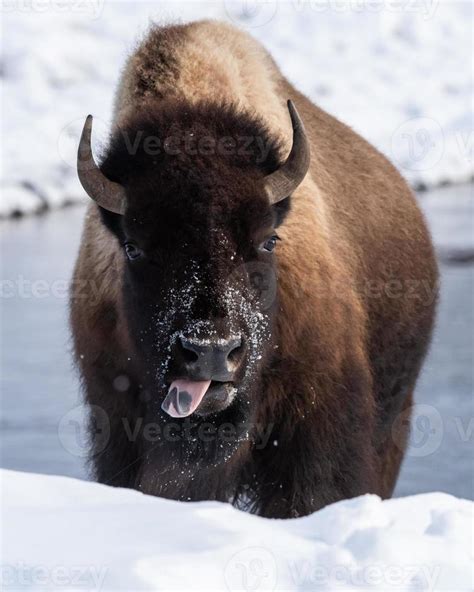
pixel 106 193
pixel 286 179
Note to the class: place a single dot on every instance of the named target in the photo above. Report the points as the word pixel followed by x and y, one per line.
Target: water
pixel 41 410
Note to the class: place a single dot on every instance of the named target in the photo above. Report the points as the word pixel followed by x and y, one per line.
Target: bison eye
pixel 270 243
pixel 133 252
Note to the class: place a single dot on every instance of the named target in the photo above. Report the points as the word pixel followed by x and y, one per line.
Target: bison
pixel 262 286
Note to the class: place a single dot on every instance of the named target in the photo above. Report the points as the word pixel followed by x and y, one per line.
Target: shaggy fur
pixel 341 344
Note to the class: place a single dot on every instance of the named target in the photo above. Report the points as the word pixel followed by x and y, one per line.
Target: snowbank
pixel 60 533
pixel 398 72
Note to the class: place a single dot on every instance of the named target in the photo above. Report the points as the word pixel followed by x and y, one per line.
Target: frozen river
pixel 41 409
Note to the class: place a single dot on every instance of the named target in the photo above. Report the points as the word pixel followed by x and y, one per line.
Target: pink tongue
pixel 184 396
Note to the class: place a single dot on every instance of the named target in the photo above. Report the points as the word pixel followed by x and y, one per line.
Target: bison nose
pixel 214 359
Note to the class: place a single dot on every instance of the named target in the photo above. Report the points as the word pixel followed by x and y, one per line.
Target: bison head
pixel 194 195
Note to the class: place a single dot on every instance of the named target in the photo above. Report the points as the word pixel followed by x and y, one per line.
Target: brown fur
pixel 353 231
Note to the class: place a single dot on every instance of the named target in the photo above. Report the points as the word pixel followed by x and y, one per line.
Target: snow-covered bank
pixel 60 533
pixel 398 72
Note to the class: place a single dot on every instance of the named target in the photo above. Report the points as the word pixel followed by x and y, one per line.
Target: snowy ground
pixel 399 72
pixel 100 538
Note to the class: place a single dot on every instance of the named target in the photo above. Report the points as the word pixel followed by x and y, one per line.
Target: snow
pixel 397 71
pixel 62 533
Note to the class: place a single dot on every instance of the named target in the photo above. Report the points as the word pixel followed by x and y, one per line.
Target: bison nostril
pixel 187 350
pixel 235 354
pixel 189 356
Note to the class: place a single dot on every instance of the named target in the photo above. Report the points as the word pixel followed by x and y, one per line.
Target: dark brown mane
pixel 184 163
pixel 251 147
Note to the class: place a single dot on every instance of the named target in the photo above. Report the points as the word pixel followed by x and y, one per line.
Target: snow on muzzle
pixel 184 397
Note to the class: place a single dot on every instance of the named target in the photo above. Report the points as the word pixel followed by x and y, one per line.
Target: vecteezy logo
pixel 251 13
pixel 68 139
pixel 418 144
pixel 251 569
pixel 426 431
pixel 83 427
pixel 262 279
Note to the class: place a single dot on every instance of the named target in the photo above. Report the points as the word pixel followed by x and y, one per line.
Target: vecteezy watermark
pixel 197 145
pixel 93 8
pixel 256 568
pixel 86 426
pixel 26 288
pixel 251 569
pixel 187 430
pixel 424 427
pixel 261 277
pixel 421 427
pixel 465 428
pixel 82 426
pixel 418 144
pixel 76 289
pixel 465 142
pixel 377 576
pixel 251 13
pixel 425 7
pixel 153 145
pixel 16 576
